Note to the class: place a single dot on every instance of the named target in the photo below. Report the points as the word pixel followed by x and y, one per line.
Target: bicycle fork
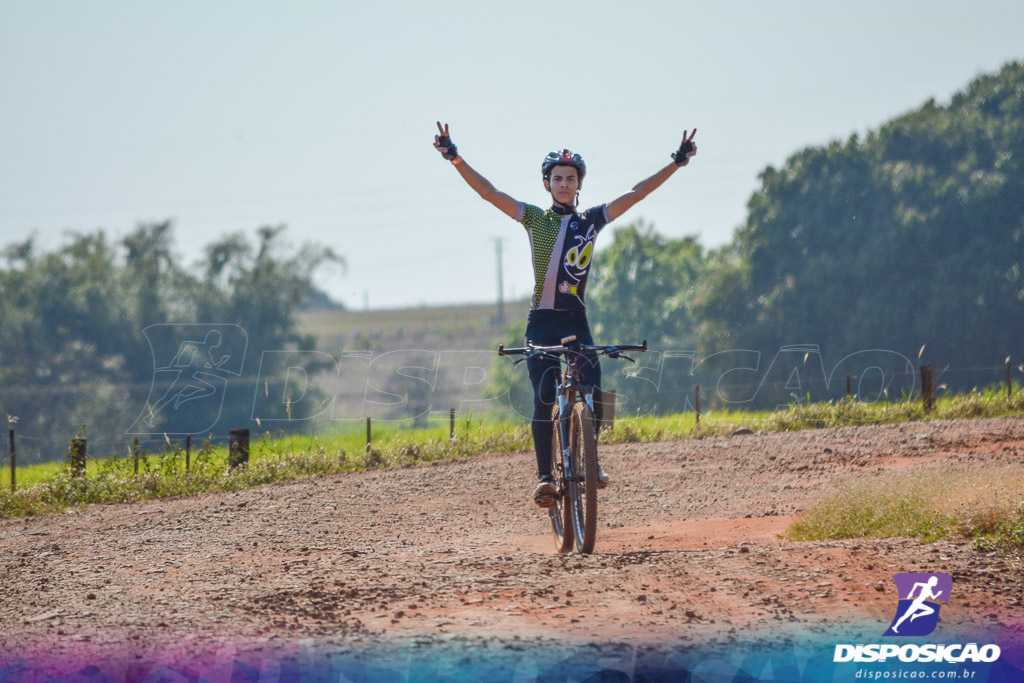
pixel 565 427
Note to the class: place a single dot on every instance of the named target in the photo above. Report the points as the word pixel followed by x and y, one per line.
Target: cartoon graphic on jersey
pixel 577 260
pixel 578 256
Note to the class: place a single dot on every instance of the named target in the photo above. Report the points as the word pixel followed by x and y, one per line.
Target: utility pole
pixel 501 286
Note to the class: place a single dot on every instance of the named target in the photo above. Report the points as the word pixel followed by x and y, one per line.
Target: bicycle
pixel 574 470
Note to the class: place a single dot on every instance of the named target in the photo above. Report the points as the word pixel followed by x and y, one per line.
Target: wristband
pixel 456 161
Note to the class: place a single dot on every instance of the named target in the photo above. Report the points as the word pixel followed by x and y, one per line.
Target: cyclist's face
pixel 564 183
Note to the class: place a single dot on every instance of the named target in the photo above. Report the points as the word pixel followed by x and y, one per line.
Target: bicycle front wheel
pixel 561 513
pixel 583 486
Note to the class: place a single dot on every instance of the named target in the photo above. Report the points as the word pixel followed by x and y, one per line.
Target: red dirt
pixel 689 551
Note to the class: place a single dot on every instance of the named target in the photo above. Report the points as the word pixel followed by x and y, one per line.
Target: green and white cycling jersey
pixel 563 247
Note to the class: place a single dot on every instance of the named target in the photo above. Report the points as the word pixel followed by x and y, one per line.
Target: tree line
pixel 123 337
pixel 910 238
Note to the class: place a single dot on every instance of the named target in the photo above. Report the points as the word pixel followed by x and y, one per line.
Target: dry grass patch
pixel 983 503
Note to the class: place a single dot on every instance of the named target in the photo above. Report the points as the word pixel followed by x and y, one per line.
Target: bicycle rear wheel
pixel 583 487
pixel 561 513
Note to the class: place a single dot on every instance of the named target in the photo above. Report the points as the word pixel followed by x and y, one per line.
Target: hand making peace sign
pixel 443 143
pixel 687 149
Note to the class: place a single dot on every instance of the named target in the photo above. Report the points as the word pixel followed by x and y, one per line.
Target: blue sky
pixel 226 116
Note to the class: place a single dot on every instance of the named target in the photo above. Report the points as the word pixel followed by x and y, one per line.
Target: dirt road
pixel 688 552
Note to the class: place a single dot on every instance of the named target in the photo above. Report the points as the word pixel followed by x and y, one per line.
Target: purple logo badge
pixel 918 610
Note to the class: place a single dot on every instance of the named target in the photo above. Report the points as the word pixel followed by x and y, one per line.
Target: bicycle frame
pixel 566 388
pixel 574 515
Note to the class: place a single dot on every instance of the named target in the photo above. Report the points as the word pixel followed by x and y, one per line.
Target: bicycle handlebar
pixel 562 349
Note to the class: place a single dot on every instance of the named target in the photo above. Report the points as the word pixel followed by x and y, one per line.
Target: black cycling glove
pixel 680 156
pixel 453 151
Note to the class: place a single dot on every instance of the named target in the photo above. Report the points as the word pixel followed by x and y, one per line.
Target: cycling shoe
pixel 544 495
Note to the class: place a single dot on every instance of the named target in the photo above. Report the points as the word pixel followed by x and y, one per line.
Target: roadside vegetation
pixel 53 487
pixel 985 505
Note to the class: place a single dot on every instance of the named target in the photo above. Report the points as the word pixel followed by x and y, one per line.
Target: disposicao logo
pixel 918 610
pixel 917 615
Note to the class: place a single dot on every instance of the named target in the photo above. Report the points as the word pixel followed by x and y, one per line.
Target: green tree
pixel 61 341
pixel 258 287
pixel 643 286
pixel 912 236
pixel 73 347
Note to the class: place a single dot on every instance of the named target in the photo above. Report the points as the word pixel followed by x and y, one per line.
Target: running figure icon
pixel 190 356
pixel 920 597
pixel 917 607
pixel 193 365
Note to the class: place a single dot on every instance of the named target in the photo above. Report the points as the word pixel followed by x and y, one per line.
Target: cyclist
pixel 562 239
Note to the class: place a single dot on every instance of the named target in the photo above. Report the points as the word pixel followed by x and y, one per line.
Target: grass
pixel 992 402
pixel 51 487
pixel 984 504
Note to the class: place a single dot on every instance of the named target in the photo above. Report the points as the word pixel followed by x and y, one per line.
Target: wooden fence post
pixel 369 435
pixel 1009 378
pixel 188 450
pixel 608 399
pixel 928 387
pixel 14 462
pixel 77 455
pixel 238 447
pixel 451 424
pixel 135 454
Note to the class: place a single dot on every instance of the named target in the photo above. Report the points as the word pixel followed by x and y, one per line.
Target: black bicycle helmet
pixel 564 157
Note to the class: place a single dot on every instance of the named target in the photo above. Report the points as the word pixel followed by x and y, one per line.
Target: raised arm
pixel 619 206
pixel 483 187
